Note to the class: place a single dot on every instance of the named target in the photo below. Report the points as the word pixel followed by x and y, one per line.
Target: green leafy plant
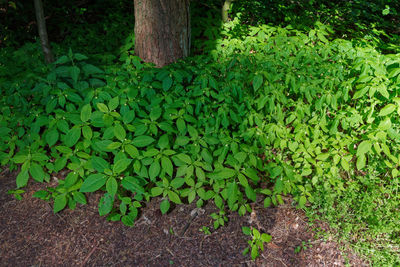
pixel 257 241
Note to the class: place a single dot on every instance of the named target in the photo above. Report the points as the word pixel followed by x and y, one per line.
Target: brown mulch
pixel 32 235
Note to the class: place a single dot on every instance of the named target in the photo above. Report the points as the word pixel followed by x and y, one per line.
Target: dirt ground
pixel 32 235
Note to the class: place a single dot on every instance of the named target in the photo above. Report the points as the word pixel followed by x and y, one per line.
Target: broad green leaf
pixel 22 178
pixel 119 132
pixel 74 72
pixel 246 230
pixel 102 107
pixel 364 147
pixel 385 124
pixel 177 182
pixel 87 132
pixel 99 164
pixel 112 186
pixel 113 104
pixel 106 204
pixel 79 197
pixel 156 191
pixel 52 137
pixel 142 141
pixel 132 184
pixel 93 182
pixel 185 158
pixel 241 156
pixel 174 197
pixel 154 170
pixel 71 179
pixel 250 193
pixel 388 109
pixel 86 112
pixel 121 165
pixel 132 151
pixel 223 174
pixel 37 172
pixel 164 206
pixel 167 166
pixel 155 113
pixel 302 201
pixel 361 161
pixel 59 203
pixel 72 136
pixel 167 83
pixel 257 82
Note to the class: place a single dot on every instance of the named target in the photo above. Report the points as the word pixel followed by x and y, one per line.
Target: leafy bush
pixel 270 111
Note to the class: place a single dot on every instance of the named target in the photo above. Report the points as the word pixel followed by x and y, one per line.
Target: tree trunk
pixel 41 23
pixel 162 30
pixel 225 9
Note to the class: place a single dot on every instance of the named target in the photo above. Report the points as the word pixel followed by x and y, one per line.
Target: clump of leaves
pixel 273 112
pixel 256 243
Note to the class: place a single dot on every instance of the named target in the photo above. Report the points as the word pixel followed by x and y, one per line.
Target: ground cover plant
pixel 265 111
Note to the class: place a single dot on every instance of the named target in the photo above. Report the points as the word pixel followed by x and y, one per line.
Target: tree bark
pixel 162 30
pixel 225 9
pixel 41 23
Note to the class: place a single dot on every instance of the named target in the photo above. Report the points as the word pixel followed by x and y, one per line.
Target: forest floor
pixel 32 235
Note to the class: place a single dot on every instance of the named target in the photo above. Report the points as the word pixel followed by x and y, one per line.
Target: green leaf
pixel 164 206
pixel 254 252
pixel 302 201
pixel 241 156
pixel 174 197
pixel 385 124
pixel 154 170
pixel 72 136
pixel 155 113
pixel 106 204
pixel 250 193
pixel 79 197
pixel 257 82
pixel 121 165
pixel 131 183
pixel 52 137
pixel 185 158
pixel 59 203
pixel 87 132
pixel 364 147
pixel 132 151
pixel 119 132
pixel 37 172
pixel 74 72
pixel 100 164
pixel 361 161
pixel 142 141
pixel 167 83
pixel 93 182
pixel 223 174
pixel 246 230
pixel 86 112
pixel 113 104
pixel 388 109
pixel 71 179
pixel 22 178
pixel 102 107
pixel 167 166
pixel 177 182
pixel 156 191
pixel 266 238
pixel 112 186
pixel 181 125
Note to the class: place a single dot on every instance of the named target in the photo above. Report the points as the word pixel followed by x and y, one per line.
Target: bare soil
pixel 32 235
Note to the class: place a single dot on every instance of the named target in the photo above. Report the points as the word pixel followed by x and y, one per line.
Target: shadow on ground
pixel 31 235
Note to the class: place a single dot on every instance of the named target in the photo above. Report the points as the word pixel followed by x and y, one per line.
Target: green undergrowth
pixel 273 112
